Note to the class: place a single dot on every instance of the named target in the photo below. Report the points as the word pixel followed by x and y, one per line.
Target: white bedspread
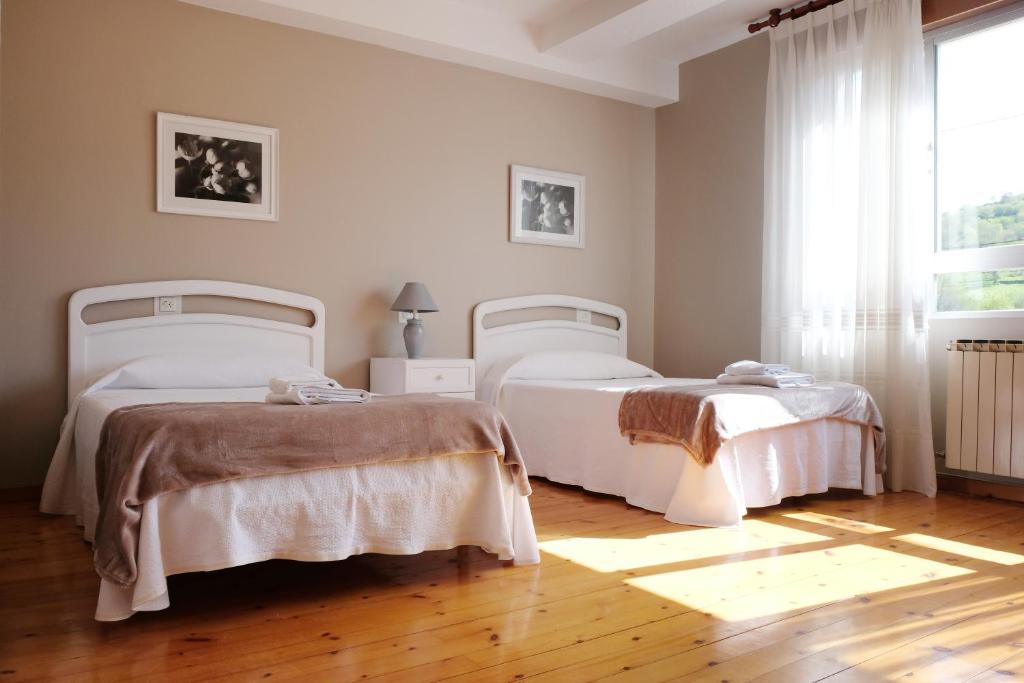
pixel 568 432
pixel 392 508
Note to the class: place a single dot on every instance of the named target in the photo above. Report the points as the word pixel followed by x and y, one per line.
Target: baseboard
pixel 21 495
pixel 975 487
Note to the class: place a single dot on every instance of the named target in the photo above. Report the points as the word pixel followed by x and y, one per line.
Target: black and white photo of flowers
pixel 547 207
pixel 216 168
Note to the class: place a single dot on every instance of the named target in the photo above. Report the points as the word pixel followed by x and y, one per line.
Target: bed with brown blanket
pixel 197 473
pixel 150 450
pixel 561 385
pixel 173 480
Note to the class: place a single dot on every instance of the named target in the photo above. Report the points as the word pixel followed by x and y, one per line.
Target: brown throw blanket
pixel 149 450
pixel 702 417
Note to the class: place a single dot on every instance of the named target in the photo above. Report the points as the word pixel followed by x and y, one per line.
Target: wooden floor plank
pixel 839 587
pixel 823 630
pixel 1006 670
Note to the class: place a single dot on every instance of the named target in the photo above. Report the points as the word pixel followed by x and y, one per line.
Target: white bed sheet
pixel 568 432
pixel 393 508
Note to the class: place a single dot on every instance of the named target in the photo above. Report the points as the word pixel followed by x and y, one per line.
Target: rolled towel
pixel 282 385
pixel 752 367
pixel 318 396
pixel 788 380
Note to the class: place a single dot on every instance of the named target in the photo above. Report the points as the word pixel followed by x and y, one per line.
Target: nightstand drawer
pixel 455 377
pixel 439 379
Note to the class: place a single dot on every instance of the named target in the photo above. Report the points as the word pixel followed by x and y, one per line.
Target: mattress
pixel 393 508
pixel 567 431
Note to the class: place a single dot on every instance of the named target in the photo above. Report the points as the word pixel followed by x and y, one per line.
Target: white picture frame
pixel 229 182
pixel 537 217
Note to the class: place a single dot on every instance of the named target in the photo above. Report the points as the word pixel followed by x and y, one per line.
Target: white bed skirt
pixel 754 470
pixel 568 433
pixel 458 500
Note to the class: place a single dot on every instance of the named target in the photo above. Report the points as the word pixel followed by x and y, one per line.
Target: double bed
pixel 565 417
pixel 315 515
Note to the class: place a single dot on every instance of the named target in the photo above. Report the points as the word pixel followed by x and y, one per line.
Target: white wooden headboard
pixel 94 349
pixel 492 344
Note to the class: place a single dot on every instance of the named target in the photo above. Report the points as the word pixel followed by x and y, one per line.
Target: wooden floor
pixel 836 587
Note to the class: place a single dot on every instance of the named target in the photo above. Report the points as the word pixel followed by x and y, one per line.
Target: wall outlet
pixel 166 305
pixel 582 316
pixel 403 317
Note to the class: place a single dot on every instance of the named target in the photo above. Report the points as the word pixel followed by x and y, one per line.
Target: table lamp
pixel 414 298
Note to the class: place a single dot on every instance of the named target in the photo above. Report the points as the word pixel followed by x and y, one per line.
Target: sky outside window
pixel 980 138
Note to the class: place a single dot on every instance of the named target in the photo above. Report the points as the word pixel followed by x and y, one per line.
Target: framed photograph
pixel 215 168
pixel 547 207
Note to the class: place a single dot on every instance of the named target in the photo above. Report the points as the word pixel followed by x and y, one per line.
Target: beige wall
pixel 393 168
pixel 709 213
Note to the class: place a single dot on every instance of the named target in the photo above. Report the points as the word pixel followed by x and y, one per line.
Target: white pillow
pixel 206 371
pixel 576 365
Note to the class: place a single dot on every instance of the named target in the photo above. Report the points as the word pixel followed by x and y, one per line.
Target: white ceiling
pixel 529 11
pixel 624 49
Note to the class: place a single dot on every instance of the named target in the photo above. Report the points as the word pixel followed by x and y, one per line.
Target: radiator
pixel 985 406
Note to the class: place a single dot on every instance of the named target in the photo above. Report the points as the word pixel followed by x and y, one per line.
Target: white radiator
pixel 985 406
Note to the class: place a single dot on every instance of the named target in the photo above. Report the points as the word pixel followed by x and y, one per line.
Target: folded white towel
pixel 786 380
pixel 318 396
pixel 752 367
pixel 282 385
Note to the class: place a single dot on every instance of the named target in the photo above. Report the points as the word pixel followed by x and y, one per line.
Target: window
pixel 977 73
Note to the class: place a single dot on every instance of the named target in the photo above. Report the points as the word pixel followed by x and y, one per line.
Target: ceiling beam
pixel 458 32
pixel 602 26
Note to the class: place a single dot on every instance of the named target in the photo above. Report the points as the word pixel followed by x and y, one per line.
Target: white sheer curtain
pixel 847 222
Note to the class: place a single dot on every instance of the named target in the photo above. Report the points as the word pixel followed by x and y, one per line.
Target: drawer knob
pixel 439 378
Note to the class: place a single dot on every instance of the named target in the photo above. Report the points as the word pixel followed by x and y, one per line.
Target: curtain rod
pixel 776 16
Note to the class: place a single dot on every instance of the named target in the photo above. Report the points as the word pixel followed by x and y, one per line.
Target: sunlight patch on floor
pixel 979 631
pixel 736 591
pixel 839 522
pixel 619 554
pixel 977 552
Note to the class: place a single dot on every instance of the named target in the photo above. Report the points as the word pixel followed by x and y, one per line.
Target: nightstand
pixel 452 377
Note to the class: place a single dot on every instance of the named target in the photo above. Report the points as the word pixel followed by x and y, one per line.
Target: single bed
pixel 568 429
pixel 327 514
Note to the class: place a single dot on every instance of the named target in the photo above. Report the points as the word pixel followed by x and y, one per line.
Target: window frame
pixel 980 258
